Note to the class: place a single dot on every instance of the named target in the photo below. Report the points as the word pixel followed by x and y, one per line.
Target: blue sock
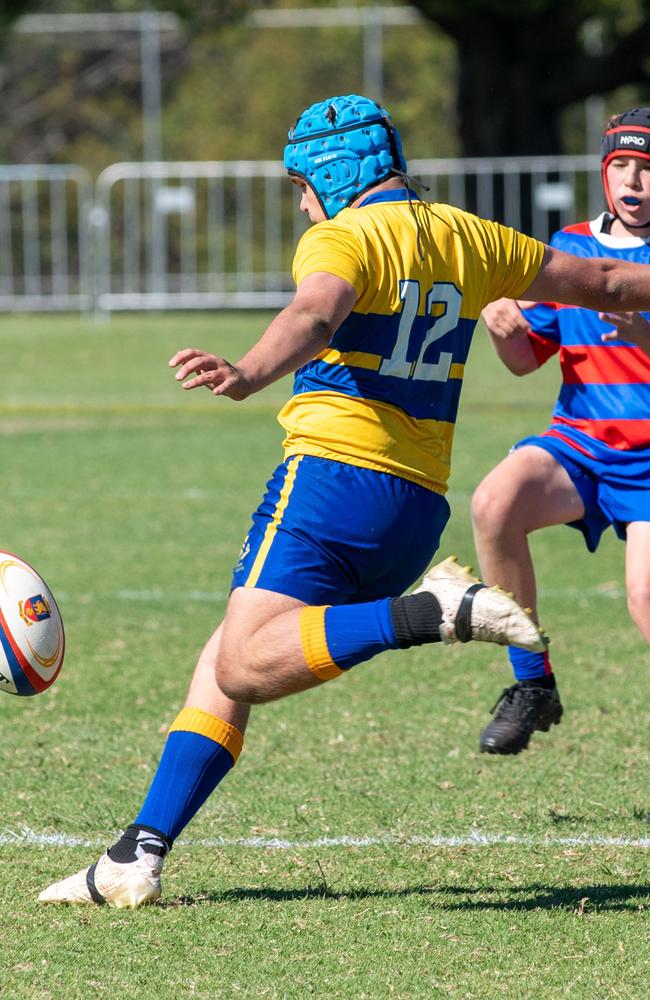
pixel 199 752
pixel 357 632
pixel 529 666
pixel 338 637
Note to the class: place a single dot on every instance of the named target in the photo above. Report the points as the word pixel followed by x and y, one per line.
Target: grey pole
pixel 150 69
pixel 373 54
pixel 152 145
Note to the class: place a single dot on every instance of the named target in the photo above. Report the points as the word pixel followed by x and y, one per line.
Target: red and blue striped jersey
pixel 605 394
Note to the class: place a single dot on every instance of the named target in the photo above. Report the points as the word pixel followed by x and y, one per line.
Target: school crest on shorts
pixel 243 553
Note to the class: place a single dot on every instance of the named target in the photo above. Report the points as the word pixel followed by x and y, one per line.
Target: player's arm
pixel 628 326
pixel 509 332
pixel 296 335
pixel 597 283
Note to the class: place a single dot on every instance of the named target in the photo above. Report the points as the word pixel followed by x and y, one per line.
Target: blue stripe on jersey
pixel 543 319
pixel 422 399
pixel 585 244
pixel 362 384
pixel 377 334
pixel 584 327
pixel 581 326
pixel 623 401
pixel 569 325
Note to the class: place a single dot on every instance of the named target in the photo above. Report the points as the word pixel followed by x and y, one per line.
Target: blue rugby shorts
pixel 331 533
pixel 614 488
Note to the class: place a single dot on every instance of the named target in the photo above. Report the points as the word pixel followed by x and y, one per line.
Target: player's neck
pixel 392 184
pixel 619 229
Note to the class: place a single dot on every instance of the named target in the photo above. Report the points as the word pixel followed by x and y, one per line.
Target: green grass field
pixel 362 848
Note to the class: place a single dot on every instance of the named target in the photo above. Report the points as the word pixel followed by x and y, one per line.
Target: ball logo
pixel 34 609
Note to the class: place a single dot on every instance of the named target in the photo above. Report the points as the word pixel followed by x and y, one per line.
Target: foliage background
pixel 478 77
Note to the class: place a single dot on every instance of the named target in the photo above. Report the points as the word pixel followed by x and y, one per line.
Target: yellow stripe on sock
pixel 314 644
pixel 272 527
pixel 195 720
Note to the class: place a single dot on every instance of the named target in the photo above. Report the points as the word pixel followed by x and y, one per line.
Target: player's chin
pixel 635 215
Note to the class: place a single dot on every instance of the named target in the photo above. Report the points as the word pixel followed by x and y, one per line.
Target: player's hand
pixel 505 320
pixel 630 326
pixel 202 370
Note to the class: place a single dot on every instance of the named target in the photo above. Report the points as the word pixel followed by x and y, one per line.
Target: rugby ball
pixel 32 641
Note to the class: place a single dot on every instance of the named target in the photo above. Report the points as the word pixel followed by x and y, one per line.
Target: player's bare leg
pixel 261 656
pixel 528 490
pixel 637 575
pixel 204 692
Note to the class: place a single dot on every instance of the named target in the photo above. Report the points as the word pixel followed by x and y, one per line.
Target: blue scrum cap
pixel 342 147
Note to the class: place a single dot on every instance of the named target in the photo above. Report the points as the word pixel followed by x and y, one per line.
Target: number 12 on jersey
pixel 397 364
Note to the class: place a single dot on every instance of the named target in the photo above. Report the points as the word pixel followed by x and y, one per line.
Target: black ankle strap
pixel 95 894
pixel 463 623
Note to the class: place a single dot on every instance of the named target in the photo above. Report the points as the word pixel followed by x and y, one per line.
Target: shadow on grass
pixel 583 899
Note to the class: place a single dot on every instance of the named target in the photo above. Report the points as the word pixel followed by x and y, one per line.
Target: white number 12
pixel 397 364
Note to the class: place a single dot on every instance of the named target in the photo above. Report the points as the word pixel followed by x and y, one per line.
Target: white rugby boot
pixel 471 610
pixel 107 882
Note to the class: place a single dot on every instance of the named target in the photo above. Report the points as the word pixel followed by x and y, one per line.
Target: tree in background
pixel 480 78
pixel 9 11
pixel 230 90
pixel 243 88
pixel 77 95
pixel 523 62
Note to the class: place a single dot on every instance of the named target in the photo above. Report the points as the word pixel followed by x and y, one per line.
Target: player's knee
pixel 240 688
pixel 490 511
pixel 239 681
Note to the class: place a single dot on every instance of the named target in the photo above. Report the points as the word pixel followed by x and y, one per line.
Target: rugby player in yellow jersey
pixel 389 289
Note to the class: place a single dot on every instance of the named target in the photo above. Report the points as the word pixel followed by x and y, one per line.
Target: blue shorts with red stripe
pixel 331 533
pixel 614 484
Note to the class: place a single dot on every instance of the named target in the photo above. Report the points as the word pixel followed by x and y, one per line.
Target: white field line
pixel 28 837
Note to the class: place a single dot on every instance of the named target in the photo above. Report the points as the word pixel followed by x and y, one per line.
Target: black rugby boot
pixel 520 710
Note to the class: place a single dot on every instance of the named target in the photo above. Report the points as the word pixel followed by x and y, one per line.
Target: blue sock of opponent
pixel 199 752
pixel 533 667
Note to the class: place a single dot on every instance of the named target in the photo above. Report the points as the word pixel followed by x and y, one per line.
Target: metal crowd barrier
pixel 218 235
pixel 45 244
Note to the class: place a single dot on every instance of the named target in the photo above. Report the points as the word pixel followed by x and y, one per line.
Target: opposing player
pixel 591 467
pixel 388 293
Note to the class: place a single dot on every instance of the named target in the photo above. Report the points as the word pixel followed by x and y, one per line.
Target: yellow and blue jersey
pixel 384 394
